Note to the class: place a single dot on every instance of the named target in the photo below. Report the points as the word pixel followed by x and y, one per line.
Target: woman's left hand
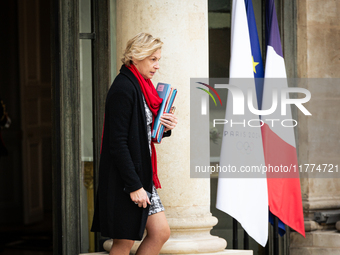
pixel 169 120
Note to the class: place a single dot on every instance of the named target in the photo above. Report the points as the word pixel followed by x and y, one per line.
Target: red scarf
pixel 154 102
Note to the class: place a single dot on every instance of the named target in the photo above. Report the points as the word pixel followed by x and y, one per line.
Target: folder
pixel 168 95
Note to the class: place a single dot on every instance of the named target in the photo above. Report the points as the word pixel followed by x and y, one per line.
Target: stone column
pixel 183 27
pixel 318 41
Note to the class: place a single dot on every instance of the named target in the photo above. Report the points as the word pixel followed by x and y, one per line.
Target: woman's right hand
pixel 140 197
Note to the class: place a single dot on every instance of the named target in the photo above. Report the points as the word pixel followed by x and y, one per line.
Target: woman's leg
pixel 158 232
pixel 121 247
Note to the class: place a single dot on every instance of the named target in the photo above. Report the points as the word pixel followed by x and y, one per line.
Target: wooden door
pixel 35 86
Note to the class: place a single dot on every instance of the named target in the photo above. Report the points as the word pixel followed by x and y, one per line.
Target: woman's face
pixel 149 65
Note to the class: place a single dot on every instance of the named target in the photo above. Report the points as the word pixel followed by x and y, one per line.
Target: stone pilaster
pixel 318 41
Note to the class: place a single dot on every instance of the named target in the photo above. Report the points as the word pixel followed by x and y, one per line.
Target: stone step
pixel 319 238
pixel 102 252
pixel 225 252
pixel 235 252
pixel 320 242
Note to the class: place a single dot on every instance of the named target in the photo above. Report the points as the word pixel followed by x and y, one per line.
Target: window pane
pixel 85 16
pixel 86 129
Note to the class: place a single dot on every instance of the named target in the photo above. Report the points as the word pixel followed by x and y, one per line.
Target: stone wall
pixel 318 56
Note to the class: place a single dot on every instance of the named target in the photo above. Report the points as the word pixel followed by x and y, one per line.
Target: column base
pixel 202 245
pixel 108 244
pixel 316 243
pixel 189 235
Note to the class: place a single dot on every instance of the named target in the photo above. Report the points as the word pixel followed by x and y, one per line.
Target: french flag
pixel 284 192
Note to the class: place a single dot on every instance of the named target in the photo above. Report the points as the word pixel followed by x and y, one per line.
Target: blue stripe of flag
pixel 272 28
pixel 256 51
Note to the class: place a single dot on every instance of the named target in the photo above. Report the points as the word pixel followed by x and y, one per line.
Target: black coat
pixel 125 162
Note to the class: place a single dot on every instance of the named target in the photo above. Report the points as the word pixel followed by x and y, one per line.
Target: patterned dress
pixel 156 204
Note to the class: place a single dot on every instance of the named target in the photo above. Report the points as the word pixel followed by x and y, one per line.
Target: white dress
pixel 156 204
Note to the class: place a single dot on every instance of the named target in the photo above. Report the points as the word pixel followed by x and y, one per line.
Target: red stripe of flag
pixel 284 192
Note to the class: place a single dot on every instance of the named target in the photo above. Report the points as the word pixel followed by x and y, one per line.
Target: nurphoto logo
pixel 240 96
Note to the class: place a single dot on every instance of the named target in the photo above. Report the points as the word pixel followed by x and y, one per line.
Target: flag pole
pixel 235 238
pixel 245 240
pixel 276 235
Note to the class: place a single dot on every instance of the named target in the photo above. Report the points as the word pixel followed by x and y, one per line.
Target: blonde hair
pixel 140 47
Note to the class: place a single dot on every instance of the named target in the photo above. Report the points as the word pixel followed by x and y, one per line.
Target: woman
pixel 128 164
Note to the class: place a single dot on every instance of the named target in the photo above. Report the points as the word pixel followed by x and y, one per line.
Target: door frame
pixel 66 112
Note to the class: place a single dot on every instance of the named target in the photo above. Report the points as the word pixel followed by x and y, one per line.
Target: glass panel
pixel 85 16
pixel 86 129
pixel 219 18
pixel 86 198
